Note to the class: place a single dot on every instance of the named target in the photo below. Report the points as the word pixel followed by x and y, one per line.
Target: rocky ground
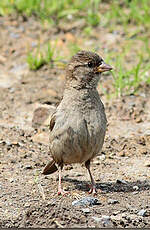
pixel 29 199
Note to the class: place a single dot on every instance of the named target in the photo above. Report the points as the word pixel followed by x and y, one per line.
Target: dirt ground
pixel 122 170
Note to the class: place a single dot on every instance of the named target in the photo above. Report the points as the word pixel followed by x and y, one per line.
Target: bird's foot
pixel 93 190
pixel 62 192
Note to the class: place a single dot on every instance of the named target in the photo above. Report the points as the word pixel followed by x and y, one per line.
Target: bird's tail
pixel 50 168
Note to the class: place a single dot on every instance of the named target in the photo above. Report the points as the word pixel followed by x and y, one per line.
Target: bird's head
pixel 84 69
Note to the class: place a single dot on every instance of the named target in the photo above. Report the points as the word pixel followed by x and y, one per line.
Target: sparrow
pixel 78 126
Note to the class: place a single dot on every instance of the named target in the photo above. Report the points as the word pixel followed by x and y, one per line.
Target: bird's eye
pixel 90 64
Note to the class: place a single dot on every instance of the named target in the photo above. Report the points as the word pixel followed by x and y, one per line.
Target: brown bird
pixel 79 123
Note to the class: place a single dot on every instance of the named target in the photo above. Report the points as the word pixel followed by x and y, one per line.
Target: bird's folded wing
pixel 50 168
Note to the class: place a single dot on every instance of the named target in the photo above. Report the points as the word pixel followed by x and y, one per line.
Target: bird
pixel 78 126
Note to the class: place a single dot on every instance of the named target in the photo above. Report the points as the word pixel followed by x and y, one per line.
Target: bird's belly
pixel 78 143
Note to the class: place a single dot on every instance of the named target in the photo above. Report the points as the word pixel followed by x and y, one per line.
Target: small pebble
pixel 135 187
pixel 117 217
pixel 111 201
pixel 97 219
pixel 11 90
pixel 142 212
pixel 14 35
pixel 86 210
pixel 103 217
pixel 135 192
pixel 85 201
pixel 13 161
pixel 101 157
pixel 118 181
pixel 11 180
pixel 105 220
pixel 26 205
pixel 116 213
pixel 28 167
pixel 8 142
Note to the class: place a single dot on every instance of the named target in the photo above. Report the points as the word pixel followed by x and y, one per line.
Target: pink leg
pixel 60 190
pixel 93 184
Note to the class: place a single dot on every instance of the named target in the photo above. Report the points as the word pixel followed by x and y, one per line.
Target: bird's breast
pixel 78 133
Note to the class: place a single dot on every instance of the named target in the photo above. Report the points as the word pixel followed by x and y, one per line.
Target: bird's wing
pixel 51 167
pixel 52 121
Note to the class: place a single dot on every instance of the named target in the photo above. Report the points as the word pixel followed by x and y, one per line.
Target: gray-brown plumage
pixel 78 126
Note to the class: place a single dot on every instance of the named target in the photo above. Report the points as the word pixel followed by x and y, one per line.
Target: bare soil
pixel 122 170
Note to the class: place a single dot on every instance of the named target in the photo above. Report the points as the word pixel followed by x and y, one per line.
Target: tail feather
pixel 50 168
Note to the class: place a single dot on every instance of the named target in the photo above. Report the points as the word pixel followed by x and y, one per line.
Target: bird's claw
pixel 62 192
pixel 93 190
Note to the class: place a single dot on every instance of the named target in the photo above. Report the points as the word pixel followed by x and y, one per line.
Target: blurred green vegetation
pixel 41 57
pixel 120 12
pixel 132 16
pixel 52 10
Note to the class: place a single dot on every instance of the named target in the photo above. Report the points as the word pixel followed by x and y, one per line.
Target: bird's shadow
pixel 108 187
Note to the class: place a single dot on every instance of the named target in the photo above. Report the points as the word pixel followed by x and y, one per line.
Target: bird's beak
pixel 104 67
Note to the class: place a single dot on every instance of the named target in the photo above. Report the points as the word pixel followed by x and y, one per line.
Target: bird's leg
pixel 93 184
pixel 60 190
